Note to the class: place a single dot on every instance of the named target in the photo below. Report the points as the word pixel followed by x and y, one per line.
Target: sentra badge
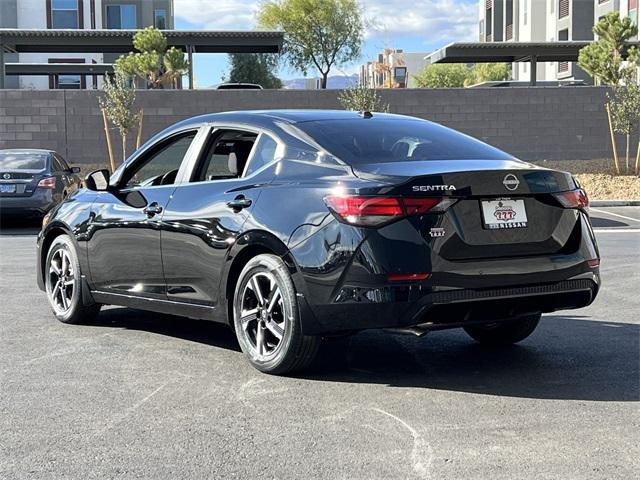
pixel 433 188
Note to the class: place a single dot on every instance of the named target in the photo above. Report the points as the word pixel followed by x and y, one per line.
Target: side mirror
pixel 74 170
pixel 98 180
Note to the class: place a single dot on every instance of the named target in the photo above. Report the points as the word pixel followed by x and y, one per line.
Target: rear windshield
pixel 22 161
pixel 359 140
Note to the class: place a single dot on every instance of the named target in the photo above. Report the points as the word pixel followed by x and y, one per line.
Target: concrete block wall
pixel 532 123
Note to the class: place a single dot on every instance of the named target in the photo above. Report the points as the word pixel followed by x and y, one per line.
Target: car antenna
pixel 366 114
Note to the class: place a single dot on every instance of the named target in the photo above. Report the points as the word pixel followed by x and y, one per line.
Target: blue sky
pixel 413 25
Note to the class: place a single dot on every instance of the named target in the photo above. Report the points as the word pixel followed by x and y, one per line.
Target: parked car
pixel 293 225
pixel 32 182
pixel 239 86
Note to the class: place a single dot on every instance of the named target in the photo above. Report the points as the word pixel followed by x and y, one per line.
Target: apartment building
pixel 625 7
pixel 77 14
pixel 394 68
pixel 544 21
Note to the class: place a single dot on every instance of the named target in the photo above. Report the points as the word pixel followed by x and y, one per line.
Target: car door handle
pixel 152 209
pixel 239 203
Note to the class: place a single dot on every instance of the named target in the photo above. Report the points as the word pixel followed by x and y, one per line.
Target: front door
pixel 124 233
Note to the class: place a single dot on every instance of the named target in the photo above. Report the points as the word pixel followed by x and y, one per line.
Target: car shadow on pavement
pixel 20 226
pixel 568 357
pixel 208 333
pixel 601 222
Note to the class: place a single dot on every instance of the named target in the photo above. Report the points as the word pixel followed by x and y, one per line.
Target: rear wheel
pixel 62 281
pixel 266 318
pixel 504 333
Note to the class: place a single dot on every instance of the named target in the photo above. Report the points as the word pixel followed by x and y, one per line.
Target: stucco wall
pixel 533 123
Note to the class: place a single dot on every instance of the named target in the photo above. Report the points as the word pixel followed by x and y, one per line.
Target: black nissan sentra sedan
pixel 32 182
pixel 294 225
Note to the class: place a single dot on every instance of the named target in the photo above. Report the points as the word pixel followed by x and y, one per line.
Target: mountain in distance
pixel 333 82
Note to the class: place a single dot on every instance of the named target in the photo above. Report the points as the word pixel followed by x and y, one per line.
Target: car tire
pixel 267 320
pixel 63 283
pixel 504 333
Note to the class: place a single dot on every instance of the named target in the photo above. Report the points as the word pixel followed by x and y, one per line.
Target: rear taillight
pixel 376 211
pixel 47 182
pixel 573 199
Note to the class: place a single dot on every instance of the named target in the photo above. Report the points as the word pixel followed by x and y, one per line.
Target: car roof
pixel 27 150
pixel 262 117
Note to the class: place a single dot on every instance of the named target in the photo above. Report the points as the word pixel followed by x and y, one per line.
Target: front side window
pixel 225 155
pixel 63 163
pixel 160 19
pixel 382 140
pixel 162 165
pixel 121 17
pixel 64 14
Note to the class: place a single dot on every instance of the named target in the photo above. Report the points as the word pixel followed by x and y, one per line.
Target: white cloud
pixel 438 21
pixel 218 14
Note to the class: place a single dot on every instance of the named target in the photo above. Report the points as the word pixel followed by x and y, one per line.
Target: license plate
pixel 504 213
pixel 8 188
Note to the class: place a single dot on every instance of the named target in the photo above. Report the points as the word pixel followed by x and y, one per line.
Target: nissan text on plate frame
pixel 294 225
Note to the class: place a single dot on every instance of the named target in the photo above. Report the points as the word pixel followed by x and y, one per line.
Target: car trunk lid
pixel 502 209
pixel 19 183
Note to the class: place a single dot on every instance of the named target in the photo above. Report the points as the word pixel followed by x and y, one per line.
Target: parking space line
pixel 615 215
pixel 616 230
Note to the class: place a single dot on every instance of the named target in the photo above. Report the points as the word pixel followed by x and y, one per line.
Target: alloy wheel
pixel 62 281
pixel 262 315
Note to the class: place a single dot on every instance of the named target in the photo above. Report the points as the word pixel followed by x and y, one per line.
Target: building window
pixel 66 81
pixel 65 14
pixel 121 17
pixel 563 8
pixel 481 27
pixel 160 19
pixel 633 11
pixel 525 11
pixel 400 77
pixel 563 35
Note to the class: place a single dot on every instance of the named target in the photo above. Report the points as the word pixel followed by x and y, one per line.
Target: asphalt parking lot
pixel 142 395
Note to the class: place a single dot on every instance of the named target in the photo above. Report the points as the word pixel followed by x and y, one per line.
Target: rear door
pixel 124 230
pixel 207 212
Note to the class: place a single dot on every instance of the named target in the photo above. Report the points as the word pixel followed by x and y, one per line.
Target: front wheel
pixel 62 281
pixel 504 333
pixel 266 318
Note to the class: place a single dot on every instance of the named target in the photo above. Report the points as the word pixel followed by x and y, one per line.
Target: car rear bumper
pixel 351 290
pixel 39 203
pixel 409 305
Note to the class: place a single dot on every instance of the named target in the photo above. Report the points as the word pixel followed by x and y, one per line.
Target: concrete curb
pixel 614 203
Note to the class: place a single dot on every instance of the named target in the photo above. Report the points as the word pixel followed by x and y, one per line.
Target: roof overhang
pixel 121 41
pixel 497 52
pixel 58 68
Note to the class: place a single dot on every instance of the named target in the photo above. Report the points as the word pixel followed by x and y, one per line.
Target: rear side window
pixel 382 140
pixel 22 161
pixel 225 155
pixel 263 153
